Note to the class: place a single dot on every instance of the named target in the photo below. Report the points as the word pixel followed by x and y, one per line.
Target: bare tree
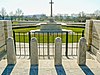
pixel 11 14
pixel 19 13
pixel 97 13
pixel 3 13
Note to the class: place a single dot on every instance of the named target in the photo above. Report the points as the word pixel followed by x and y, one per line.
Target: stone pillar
pixel 34 52
pixel 11 57
pixel 81 58
pixel 58 51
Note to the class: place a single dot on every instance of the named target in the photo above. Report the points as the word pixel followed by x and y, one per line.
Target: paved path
pixel 46 67
pixel 23 49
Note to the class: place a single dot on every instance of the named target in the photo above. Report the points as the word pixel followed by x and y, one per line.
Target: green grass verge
pixel 34 28
pixel 41 39
pixel 25 29
pixel 51 40
pixel 79 30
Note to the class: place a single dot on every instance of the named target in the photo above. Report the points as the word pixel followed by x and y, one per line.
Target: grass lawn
pixel 67 28
pixel 74 29
pixel 71 38
pixel 43 38
pixel 25 29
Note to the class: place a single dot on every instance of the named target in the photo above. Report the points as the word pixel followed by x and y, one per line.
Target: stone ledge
pixel 90 55
pixel 3 54
pixel 98 56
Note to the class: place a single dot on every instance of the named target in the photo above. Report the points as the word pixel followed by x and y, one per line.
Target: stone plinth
pixel 34 52
pixel 81 58
pixel 58 51
pixel 50 27
pixel 11 57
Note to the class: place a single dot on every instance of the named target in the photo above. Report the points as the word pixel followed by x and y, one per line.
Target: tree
pixel 82 17
pixel 3 13
pixel 19 13
pixel 97 14
pixel 11 15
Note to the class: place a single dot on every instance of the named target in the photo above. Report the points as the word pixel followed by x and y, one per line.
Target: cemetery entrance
pixel 46 43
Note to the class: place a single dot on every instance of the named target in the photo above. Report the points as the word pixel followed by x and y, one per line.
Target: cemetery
pixel 49 49
pixel 56 53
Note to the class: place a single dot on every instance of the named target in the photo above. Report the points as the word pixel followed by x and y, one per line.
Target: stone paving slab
pixel 46 67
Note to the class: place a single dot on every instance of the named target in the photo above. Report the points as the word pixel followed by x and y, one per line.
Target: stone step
pixel 46 67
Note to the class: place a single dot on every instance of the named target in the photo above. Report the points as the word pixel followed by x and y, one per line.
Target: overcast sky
pixel 30 7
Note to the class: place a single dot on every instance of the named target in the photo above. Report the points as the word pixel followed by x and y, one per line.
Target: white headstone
pixel 58 51
pixel 11 57
pixel 34 51
pixel 81 58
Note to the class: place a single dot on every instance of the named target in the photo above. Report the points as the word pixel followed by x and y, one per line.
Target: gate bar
pixel 66 53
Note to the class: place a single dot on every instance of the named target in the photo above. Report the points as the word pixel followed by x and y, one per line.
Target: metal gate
pixel 46 45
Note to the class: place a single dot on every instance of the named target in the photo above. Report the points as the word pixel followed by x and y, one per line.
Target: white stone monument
pixel 50 26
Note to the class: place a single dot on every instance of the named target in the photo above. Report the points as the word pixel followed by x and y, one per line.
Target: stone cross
pixel 11 57
pixel 58 51
pixel 81 58
pixel 51 8
pixel 34 52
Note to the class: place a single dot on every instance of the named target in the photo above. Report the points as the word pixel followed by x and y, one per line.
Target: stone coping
pixel 59 31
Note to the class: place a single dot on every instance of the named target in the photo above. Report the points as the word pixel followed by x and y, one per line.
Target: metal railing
pixel 46 45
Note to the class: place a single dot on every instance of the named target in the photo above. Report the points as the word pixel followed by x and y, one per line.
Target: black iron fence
pixel 46 45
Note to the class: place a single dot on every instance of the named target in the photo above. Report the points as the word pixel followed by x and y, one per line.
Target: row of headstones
pixel 11 57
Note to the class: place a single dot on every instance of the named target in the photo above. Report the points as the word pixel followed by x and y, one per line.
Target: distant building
pixel 74 15
pixel 64 16
pixel 39 16
pixel 90 15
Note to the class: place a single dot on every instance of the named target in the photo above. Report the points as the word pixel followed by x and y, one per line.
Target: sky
pixel 30 7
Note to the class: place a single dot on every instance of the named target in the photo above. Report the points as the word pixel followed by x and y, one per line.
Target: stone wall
pixel 2 37
pixel 92 35
pixel 5 32
pixel 88 33
pixel 95 37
